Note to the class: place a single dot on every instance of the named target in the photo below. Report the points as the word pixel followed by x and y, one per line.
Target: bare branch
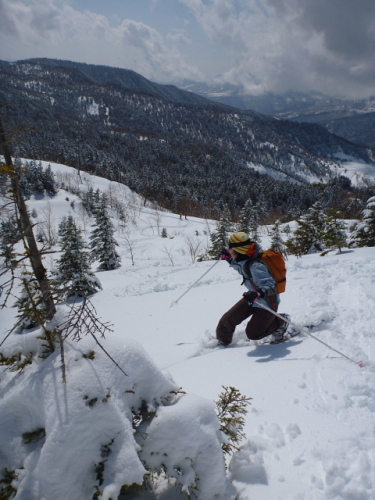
pixel 107 353
pixel 82 321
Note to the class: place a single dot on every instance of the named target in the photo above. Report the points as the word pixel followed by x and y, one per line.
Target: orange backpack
pixel 275 262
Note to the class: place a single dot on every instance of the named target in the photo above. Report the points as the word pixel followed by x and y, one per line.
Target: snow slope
pixel 359 173
pixel 310 427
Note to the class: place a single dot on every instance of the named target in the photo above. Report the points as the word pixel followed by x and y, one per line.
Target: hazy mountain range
pixel 352 119
pixel 171 145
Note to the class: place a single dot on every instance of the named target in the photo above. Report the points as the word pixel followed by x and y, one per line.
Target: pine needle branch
pixel 232 408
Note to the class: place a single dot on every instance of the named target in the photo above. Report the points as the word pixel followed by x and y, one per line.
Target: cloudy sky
pixel 263 45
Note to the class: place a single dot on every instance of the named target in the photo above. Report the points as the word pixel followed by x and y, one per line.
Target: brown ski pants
pixel 261 324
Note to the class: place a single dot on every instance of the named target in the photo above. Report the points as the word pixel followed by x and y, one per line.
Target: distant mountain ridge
pixel 352 119
pixel 126 79
pixel 169 144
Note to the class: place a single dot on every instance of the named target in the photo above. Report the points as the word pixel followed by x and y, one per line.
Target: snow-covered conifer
pixel 88 200
pixel 219 238
pixel 34 178
pixel 308 237
pixel 48 180
pixel 98 199
pixel 334 235
pixel 277 242
pixel 29 304
pixel 253 225
pixel 9 235
pixel 364 232
pixel 103 243
pixel 246 213
pixel 66 225
pixel 74 276
pixel 34 173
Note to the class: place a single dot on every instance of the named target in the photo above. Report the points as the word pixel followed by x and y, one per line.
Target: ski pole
pixel 304 330
pixel 208 270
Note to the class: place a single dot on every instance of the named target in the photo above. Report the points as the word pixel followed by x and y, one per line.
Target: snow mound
pixel 71 441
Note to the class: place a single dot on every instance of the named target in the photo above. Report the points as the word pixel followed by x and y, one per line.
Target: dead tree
pixel 26 230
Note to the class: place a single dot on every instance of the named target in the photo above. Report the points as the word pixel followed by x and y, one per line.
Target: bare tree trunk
pixel 27 230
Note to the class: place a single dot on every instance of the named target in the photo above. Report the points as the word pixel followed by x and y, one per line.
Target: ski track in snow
pixel 310 426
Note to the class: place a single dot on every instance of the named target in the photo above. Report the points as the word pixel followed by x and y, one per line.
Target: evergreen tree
pixel 9 235
pixel 254 225
pixel 103 243
pixel 34 178
pixel 334 235
pixel 30 305
pixel 246 214
pixel 219 238
pixel 74 276
pixel 287 230
pixel 66 225
pixel 277 242
pixel 48 180
pixel 364 232
pixel 88 200
pixel 308 237
pixel 98 199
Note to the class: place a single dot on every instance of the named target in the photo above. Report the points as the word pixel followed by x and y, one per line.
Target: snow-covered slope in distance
pixel 310 427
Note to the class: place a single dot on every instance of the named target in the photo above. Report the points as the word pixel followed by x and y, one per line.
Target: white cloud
pixel 179 36
pixel 263 45
pixel 299 44
pixel 52 28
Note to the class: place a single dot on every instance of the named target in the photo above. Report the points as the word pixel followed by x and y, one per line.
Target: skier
pixel 242 256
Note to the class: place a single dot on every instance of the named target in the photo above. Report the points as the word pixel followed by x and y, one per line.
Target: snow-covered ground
pixel 360 174
pixel 310 426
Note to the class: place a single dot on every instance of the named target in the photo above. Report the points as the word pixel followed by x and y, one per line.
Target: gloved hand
pixel 251 297
pixel 225 255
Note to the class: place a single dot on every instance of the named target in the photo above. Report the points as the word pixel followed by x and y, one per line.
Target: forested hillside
pixel 352 119
pixel 172 146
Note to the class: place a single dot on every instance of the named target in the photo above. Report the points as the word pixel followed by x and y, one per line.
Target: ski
pixel 211 344
pixel 296 331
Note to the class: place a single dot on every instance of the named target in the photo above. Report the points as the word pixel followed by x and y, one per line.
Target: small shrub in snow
pixel 34 436
pixel 232 408
pixel 8 491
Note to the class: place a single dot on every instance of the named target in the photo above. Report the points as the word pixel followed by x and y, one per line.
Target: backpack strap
pixel 247 267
